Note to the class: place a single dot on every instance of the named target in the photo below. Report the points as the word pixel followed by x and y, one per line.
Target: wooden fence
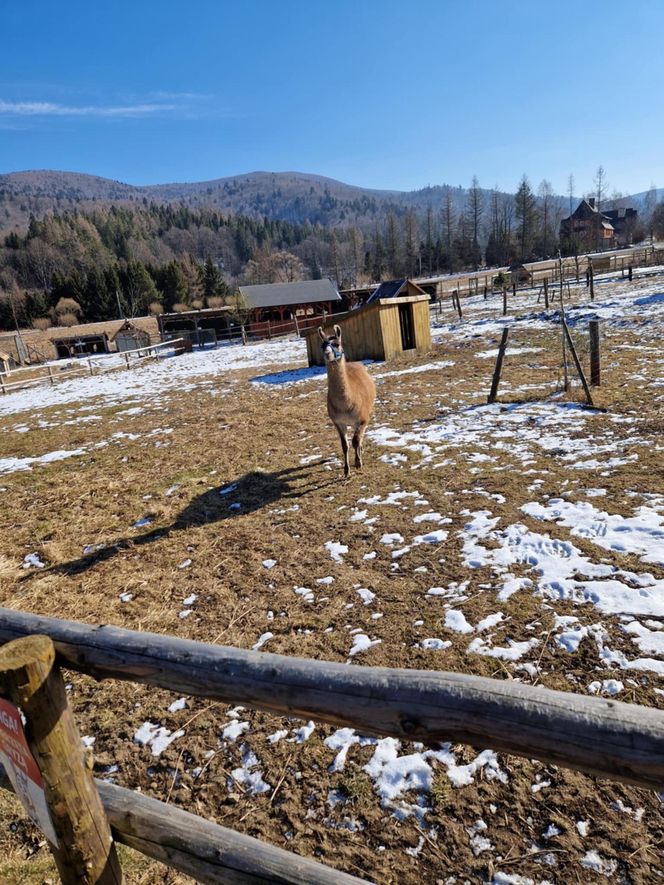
pixel 607 738
pixel 53 372
pixel 573 268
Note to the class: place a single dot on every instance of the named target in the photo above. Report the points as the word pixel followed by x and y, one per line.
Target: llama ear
pixel 321 333
pixel 337 332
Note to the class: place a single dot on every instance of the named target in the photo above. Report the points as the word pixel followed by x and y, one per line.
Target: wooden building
pixel 201 327
pixel 130 337
pixel 283 303
pixel 380 330
pixel 587 228
pixel 79 345
pixel 7 362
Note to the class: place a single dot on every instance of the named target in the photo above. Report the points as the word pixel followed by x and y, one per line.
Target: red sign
pixel 22 770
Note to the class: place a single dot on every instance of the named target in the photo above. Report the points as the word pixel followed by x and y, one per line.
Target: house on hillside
pixel 280 307
pixel 587 228
pixel 624 221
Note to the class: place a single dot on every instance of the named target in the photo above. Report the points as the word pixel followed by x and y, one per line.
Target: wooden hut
pixel 130 337
pixel 380 330
pixel 7 362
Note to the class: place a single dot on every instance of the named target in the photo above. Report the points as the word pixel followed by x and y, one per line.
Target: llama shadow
pixel 250 493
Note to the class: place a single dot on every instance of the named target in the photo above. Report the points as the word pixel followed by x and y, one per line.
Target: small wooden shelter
pixel 7 362
pixel 380 330
pixel 130 337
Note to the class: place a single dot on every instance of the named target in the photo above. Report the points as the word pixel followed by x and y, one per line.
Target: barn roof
pixel 278 294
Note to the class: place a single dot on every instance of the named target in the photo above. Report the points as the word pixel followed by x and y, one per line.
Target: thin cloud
pixel 53 109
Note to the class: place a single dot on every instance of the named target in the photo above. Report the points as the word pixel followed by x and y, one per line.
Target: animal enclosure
pixel 380 330
pixel 202 499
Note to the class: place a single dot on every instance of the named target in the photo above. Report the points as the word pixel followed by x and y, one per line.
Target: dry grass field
pixel 523 540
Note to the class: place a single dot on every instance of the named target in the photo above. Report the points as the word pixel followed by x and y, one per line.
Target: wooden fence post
pixel 50 374
pixel 504 300
pixel 514 288
pixel 126 356
pixel 85 853
pixel 629 273
pixel 591 276
pixel 546 293
pixel 593 327
pixel 577 363
pixel 495 381
pixel 458 306
pixel 2 385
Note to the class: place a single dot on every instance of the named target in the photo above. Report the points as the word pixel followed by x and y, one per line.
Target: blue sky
pixel 377 93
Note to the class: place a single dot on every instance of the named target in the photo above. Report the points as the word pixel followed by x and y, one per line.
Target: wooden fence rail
pixel 608 738
pixel 83 366
pixel 202 849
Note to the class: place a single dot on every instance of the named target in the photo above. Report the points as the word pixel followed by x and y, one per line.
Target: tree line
pixel 93 265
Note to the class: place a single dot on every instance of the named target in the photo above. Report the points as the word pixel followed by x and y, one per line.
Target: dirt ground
pixel 163 464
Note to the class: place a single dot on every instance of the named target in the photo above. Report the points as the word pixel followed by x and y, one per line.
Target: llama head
pixel 332 349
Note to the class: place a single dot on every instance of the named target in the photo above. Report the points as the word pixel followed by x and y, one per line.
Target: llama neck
pixel 337 381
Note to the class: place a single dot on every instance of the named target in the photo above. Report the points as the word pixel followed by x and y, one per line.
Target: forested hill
pixel 283 196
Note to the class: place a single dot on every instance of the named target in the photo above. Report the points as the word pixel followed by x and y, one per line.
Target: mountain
pixel 287 196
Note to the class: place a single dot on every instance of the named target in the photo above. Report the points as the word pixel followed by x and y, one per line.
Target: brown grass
pixel 256 436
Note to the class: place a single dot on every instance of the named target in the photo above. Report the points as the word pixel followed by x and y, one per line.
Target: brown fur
pixel 350 396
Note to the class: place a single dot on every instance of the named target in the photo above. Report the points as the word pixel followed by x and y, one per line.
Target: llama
pixel 350 395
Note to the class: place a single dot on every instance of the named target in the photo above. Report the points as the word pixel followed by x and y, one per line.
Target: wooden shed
pixel 130 337
pixel 380 330
pixel 7 362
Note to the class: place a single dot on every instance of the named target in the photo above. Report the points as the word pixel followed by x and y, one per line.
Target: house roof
pixel 5 357
pixel 278 294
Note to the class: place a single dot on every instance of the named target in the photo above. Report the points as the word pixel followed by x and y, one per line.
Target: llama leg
pixel 358 439
pixel 341 430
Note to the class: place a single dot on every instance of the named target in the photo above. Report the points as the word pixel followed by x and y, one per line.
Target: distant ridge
pixel 298 197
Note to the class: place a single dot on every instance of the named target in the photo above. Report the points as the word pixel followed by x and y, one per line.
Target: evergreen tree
pixel 525 207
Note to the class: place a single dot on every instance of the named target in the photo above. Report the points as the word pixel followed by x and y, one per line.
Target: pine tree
pixel 525 207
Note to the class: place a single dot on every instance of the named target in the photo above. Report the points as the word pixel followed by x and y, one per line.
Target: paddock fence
pixel 571 268
pixel 603 737
pixel 66 369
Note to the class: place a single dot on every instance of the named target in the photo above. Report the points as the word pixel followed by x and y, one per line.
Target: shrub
pixel 67 306
pixel 156 308
pixel 215 301
pixel 41 323
pixel 67 319
pixel 180 307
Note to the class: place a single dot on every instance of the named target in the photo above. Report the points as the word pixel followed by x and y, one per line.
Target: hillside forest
pixel 99 260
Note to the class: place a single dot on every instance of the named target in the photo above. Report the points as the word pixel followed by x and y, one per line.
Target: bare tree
pixel 545 194
pixel 649 205
pixel 448 214
pixel 600 193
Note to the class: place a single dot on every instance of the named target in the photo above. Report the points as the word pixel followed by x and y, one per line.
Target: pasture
pixel 203 496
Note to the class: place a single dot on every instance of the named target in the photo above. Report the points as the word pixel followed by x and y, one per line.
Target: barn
pixel 285 306
pixel 380 330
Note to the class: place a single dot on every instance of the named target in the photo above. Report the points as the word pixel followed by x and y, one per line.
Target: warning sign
pixel 22 769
